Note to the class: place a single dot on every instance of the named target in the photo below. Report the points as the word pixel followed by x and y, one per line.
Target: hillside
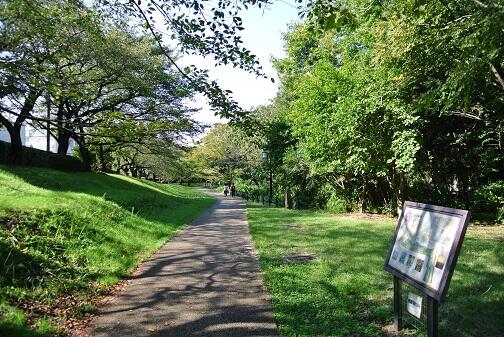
pixel 66 237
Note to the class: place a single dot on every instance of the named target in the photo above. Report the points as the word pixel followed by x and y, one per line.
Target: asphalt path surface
pixel 206 281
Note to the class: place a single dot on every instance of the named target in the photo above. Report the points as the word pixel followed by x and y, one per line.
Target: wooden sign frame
pixel 445 262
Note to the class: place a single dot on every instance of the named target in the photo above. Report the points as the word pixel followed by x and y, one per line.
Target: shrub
pixel 64 162
pixel 500 215
pixel 35 157
pixel 489 198
pixel 41 158
pixel 388 208
pixel 336 205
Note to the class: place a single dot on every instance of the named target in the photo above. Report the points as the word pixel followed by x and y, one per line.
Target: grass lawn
pixel 347 292
pixel 66 237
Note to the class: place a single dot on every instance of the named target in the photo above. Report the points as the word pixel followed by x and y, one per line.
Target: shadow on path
pixel 205 282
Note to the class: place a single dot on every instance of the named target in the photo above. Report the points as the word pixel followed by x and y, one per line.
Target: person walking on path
pixel 226 190
pixel 205 282
pixel 233 190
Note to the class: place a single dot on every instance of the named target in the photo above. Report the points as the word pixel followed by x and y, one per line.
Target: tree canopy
pixel 378 101
pixel 388 101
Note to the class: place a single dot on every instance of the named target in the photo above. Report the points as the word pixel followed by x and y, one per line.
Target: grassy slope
pixel 347 292
pixel 61 232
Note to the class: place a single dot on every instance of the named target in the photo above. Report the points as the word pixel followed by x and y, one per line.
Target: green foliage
pixel 489 198
pixel 105 82
pixel 251 190
pixel 224 154
pixel 62 232
pixel 382 102
pixel 44 327
pixel 391 103
pixel 336 205
pixel 347 292
pixel 13 322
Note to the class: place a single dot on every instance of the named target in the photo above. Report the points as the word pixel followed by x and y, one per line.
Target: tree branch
pixel 6 123
pixel 497 74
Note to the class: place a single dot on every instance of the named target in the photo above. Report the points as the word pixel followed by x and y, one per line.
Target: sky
pixel 263 37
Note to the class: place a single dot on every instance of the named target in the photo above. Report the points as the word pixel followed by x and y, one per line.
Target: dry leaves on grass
pixel 69 313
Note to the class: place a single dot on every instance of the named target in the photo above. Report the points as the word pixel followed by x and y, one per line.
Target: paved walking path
pixel 204 282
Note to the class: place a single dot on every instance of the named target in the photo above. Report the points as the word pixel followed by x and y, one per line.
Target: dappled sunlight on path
pixel 205 282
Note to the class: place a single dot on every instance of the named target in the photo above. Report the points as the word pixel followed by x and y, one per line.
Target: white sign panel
pixel 414 305
pixel 426 245
pixel 423 244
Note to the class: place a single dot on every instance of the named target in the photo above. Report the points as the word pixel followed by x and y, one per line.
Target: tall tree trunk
pixel 16 150
pixel 300 196
pixel 394 186
pixel 400 192
pixel 87 159
pixel 63 141
pixel 134 172
pixel 63 137
pixel 362 197
pixel 288 198
pixel 101 155
pixel 16 146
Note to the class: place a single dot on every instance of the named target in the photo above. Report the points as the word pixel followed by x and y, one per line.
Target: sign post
pixel 432 317
pixel 424 253
pixel 397 304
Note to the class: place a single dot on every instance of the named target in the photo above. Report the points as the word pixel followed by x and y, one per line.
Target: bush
pixel 31 156
pixel 388 208
pixel 336 205
pixel 41 158
pixel 35 157
pixel 64 162
pixel 489 198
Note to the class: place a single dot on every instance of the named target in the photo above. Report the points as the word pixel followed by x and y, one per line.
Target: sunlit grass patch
pixel 347 292
pixel 74 234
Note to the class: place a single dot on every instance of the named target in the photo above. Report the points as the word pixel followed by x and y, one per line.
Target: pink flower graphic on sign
pixel 407 216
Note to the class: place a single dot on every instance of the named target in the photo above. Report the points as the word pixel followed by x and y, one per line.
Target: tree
pixel 227 152
pixel 103 79
pixel 401 98
pixel 212 29
pixel 450 57
pixel 137 91
pixel 29 46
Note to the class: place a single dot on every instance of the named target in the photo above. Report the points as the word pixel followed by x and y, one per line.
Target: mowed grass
pixel 347 292
pixel 75 234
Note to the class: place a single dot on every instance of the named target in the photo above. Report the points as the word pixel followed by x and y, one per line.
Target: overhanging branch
pixel 497 74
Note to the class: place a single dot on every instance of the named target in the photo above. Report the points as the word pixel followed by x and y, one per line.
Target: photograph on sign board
pixel 423 243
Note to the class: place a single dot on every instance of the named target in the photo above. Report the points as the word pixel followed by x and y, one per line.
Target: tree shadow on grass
pixel 475 302
pixel 205 284
pixel 8 329
pixel 357 251
pixel 22 270
pixel 113 239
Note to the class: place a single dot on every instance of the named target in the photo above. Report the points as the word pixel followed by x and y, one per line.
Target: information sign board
pixel 426 245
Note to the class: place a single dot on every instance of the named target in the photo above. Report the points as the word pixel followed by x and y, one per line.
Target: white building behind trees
pixel 35 138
